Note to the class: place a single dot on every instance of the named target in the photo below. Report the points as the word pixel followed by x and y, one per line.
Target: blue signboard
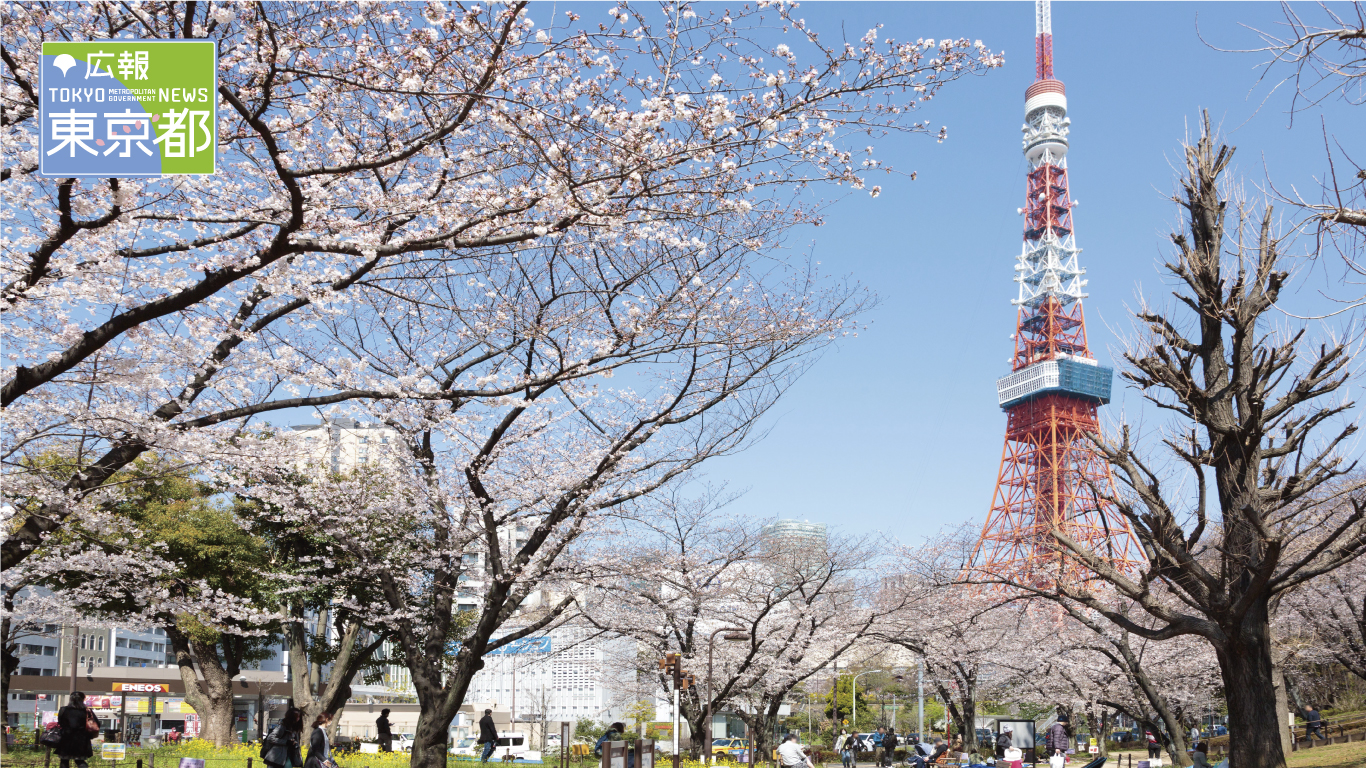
pixel 525 645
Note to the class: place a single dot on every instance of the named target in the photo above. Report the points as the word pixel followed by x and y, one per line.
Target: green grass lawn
pixel 1333 756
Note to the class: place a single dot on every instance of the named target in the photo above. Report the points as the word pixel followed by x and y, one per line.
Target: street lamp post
pixel 735 634
pixel 920 685
pixel 853 695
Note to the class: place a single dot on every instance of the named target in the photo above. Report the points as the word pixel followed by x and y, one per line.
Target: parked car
pixel 465 746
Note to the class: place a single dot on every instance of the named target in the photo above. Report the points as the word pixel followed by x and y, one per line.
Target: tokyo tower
pixel 1050 473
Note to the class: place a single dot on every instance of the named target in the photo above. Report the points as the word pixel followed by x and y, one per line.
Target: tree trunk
pixel 1282 709
pixel 211 697
pixel 1156 700
pixel 314 692
pixel 429 740
pixel 1250 690
pixel 9 660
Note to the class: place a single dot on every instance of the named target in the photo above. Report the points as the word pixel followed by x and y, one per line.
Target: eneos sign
pixel 117 108
pixel 143 687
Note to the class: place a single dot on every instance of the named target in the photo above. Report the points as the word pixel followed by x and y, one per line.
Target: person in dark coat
pixel 282 743
pixel 889 743
pixel 1004 741
pixel 1313 722
pixel 488 735
pixel 319 746
pixel 386 731
pixel 1056 740
pixel 75 738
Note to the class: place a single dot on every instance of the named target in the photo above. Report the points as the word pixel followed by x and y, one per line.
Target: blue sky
pixel 898 430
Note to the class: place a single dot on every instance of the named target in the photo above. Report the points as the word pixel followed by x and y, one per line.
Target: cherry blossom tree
pixel 1333 609
pixel 965 638
pixel 685 570
pixel 387 153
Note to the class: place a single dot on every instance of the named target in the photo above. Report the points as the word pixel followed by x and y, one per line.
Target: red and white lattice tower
pixel 1050 473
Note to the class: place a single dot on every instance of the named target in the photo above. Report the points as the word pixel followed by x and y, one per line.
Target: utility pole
pixel 673 664
pixel 75 635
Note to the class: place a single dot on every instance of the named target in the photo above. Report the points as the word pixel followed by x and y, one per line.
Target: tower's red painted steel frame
pixel 1051 476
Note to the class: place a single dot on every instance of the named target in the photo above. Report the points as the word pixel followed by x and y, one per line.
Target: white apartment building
pixel 341 444
pixel 563 674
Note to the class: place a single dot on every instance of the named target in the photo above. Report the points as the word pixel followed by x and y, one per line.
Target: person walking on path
pixel 889 742
pixel 385 730
pixel 1057 740
pixel 1313 722
pixel 319 746
pixel 281 748
pixel 75 720
pixel 845 746
pixel 488 735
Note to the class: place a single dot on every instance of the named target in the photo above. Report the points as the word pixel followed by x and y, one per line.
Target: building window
pixel 101 648
pixel 49 650
pixel 120 642
pixel 83 642
pixel 82 660
pixel 120 661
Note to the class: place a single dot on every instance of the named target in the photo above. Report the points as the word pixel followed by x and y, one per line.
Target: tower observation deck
pixel 1051 478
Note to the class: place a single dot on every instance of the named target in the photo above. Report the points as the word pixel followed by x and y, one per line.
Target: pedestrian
pixel 877 744
pixel 78 726
pixel 790 752
pixel 845 745
pixel 488 735
pixel 1200 757
pixel 281 746
pixel 385 731
pixel 1057 740
pixel 1004 741
pixel 319 746
pixel 1313 722
pixel 1154 746
pixel 889 742
pixel 1195 733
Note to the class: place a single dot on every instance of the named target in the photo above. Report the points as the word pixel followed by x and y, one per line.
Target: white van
pixel 512 743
